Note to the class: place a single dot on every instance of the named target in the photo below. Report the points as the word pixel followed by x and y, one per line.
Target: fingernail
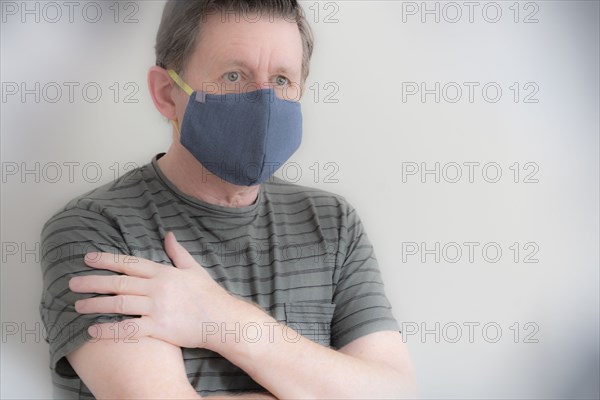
pixel 92 256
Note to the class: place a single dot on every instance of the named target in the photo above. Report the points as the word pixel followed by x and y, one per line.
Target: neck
pixel 192 179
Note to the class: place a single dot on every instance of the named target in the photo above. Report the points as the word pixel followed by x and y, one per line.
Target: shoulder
pixel 294 203
pixel 281 190
pixel 94 206
pixel 120 192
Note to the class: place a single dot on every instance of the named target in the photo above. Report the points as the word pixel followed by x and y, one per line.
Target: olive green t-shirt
pixel 299 253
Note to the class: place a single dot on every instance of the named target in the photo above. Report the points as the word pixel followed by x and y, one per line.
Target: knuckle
pixel 120 306
pixel 121 285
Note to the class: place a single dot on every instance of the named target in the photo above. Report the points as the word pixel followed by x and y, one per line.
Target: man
pixel 225 280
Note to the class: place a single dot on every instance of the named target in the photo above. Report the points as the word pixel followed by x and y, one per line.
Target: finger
pixel 130 265
pixel 177 253
pixel 121 304
pixel 109 284
pixel 129 330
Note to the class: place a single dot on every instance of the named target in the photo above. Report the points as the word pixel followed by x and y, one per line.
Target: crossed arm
pixel 151 366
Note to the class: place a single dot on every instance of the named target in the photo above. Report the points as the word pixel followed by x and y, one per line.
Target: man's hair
pixel 182 19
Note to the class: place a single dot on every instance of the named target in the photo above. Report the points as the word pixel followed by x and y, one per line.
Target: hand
pixel 175 304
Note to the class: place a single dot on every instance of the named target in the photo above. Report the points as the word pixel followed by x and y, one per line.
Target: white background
pixel 368 55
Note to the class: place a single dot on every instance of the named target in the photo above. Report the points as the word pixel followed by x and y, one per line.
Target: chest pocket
pixel 312 321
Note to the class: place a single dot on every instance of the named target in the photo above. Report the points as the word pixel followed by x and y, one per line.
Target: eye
pixel 282 80
pixel 232 76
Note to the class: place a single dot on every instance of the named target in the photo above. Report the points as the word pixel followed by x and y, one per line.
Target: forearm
pixel 300 368
pixel 148 368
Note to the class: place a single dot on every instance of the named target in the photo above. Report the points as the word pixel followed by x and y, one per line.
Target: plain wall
pixel 520 324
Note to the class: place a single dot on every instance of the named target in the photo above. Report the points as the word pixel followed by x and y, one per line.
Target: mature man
pixel 225 279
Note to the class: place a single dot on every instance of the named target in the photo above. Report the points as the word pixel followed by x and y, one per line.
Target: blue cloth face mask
pixel 243 138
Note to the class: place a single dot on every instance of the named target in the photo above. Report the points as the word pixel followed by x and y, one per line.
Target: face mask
pixel 243 138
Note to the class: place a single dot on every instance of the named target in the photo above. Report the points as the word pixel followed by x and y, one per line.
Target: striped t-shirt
pixel 299 253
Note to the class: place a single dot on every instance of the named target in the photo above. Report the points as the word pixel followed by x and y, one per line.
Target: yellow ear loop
pixel 176 125
pixel 185 87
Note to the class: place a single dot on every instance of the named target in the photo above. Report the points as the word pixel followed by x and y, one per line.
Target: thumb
pixel 177 253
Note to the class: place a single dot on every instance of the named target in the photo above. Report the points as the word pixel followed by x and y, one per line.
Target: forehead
pixel 252 41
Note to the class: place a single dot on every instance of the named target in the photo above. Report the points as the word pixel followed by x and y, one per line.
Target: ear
pixel 162 92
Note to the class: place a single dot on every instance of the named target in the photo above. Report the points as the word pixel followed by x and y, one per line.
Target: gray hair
pixel 182 19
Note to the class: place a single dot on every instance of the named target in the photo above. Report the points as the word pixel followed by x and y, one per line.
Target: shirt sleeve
pixel 361 304
pixel 65 239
